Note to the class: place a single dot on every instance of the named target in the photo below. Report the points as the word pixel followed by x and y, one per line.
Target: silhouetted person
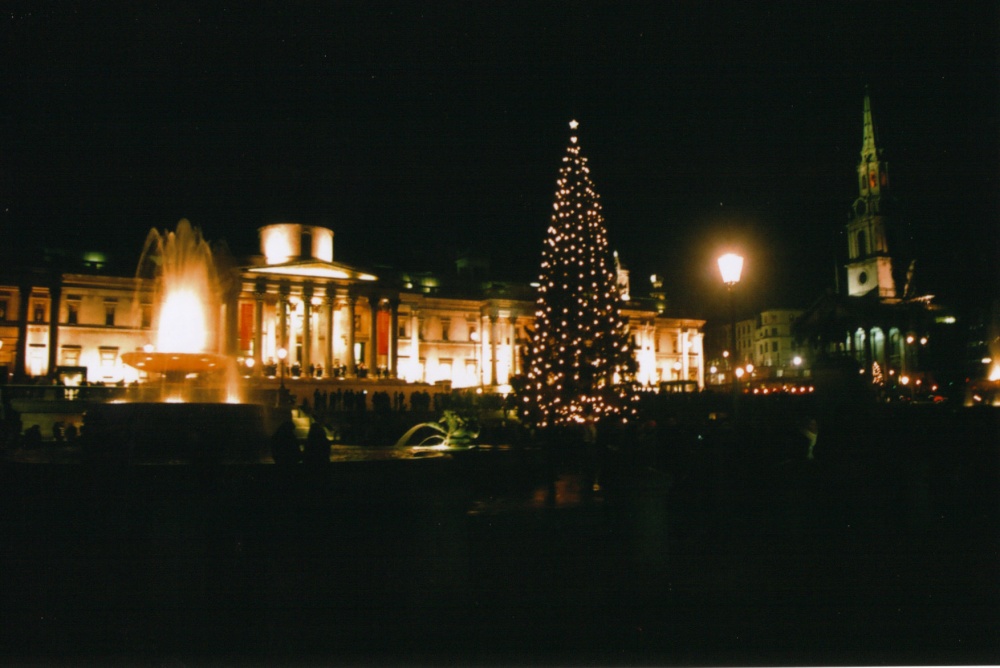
pixel 33 436
pixel 284 445
pixel 317 450
pixel 808 431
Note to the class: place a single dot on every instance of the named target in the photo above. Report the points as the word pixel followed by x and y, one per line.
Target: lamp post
pixel 731 268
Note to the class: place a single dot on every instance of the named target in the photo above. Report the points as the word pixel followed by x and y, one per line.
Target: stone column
pixel 373 308
pixel 260 289
pixel 685 351
pixel 21 354
pixel 328 303
pixel 307 295
pixel 352 370
pixel 512 324
pixel 283 292
pixel 700 343
pixel 869 344
pixel 293 336
pixel 231 331
pixel 884 357
pixel 494 317
pixel 415 340
pixel 55 292
pixel 393 337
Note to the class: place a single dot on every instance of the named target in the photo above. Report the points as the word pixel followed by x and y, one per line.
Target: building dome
pixel 287 242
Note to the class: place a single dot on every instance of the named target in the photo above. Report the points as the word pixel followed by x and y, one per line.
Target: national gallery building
pixel 326 320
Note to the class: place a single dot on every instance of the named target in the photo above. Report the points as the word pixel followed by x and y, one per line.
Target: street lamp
pixel 731 268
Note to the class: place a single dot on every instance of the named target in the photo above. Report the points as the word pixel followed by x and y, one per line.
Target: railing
pixel 101 393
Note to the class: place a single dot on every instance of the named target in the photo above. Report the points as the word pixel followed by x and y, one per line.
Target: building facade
pixel 773 349
pixel 295 311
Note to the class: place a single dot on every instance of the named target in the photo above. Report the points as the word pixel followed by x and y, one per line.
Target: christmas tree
pixel 580 365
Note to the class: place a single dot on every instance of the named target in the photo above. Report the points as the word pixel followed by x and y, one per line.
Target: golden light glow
pixel 731 268
pixel 182 322
pixel 315 270
pixel 276 242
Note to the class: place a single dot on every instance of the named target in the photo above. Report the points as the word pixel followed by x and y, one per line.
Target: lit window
pixel 71 355
pixel 108 357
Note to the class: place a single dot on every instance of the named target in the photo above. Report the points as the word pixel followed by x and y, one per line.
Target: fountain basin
pixel 169 363
pixel 175 433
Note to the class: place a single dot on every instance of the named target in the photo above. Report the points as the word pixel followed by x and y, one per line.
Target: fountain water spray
pixel 187 297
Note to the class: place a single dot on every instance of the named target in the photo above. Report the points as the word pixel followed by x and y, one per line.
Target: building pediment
pixel 312 268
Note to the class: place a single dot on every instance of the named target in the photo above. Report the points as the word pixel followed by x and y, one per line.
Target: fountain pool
pixel 197 414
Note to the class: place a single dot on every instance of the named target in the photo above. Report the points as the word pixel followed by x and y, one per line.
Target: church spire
pixel 869 151
pixel 869 266
pixel 873 171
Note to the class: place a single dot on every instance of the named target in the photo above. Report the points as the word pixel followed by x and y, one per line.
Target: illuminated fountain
pixel 188 297
pixel 194 414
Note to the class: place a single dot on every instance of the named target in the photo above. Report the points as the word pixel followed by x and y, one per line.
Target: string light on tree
pixel 580 365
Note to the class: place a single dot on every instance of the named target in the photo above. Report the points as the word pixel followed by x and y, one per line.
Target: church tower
pixel 869 265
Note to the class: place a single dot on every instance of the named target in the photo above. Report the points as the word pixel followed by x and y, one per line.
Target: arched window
pixel 862 245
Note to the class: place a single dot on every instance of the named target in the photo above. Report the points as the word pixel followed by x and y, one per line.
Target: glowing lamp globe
pixel 731 267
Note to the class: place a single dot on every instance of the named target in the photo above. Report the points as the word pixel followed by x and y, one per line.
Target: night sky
pixel 420 130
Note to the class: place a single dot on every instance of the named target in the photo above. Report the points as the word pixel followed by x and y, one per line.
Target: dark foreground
pixel 882 550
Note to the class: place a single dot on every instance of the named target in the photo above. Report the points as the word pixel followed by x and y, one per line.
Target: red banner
pixel 246 326
pixel 383 332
